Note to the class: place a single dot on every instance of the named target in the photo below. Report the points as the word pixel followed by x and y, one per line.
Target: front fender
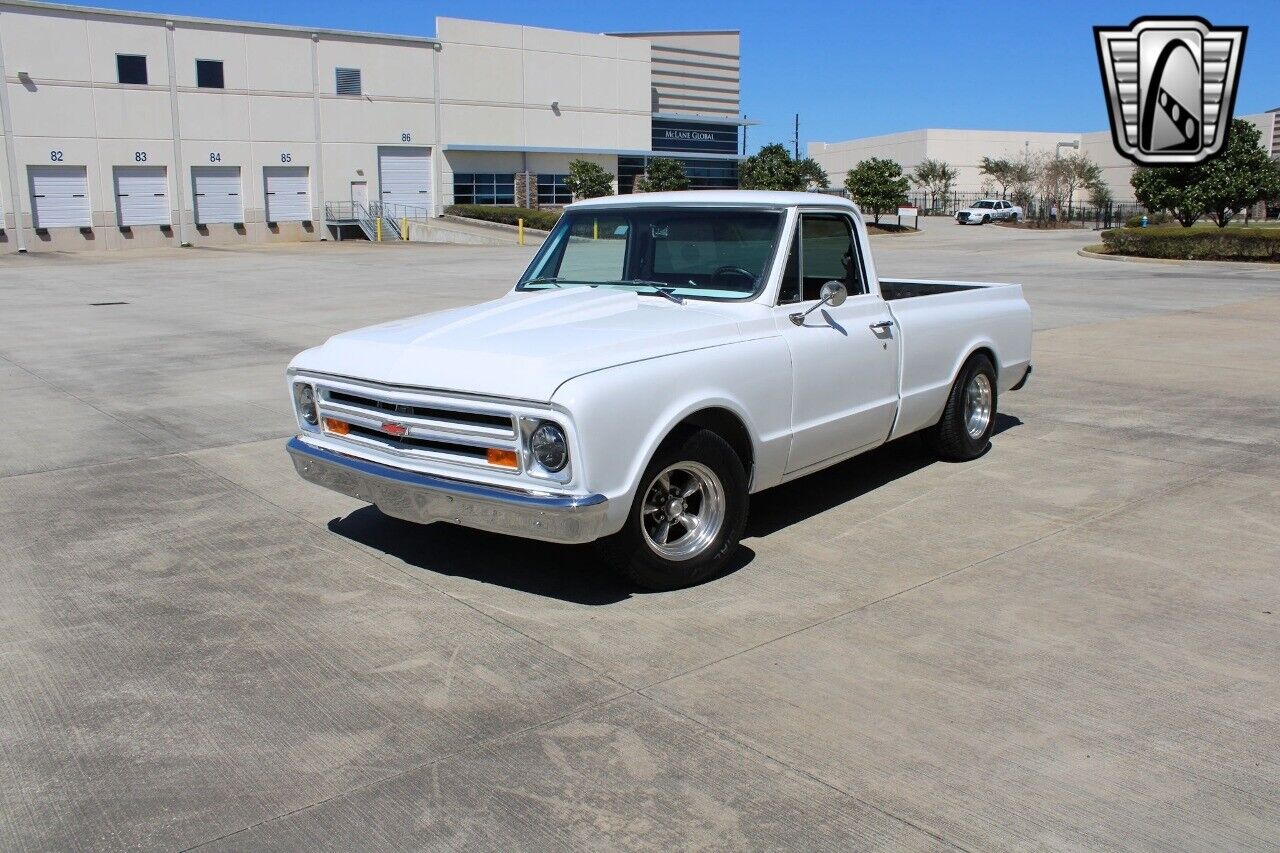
pixel 623 413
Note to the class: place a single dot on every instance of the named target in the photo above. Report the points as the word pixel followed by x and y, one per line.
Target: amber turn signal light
pixel 336 426
pixel 502 458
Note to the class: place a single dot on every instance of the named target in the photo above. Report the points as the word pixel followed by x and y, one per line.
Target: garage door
pixel 288 196
pixel 142 195
pixel 404 175
pixel 216 190
pixel 60 196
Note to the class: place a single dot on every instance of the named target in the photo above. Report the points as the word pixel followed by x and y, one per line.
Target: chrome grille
pixel 417 424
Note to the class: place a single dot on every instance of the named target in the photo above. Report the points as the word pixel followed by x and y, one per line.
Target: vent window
pixel 347 81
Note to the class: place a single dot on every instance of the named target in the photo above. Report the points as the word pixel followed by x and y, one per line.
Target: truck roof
pixel 762 198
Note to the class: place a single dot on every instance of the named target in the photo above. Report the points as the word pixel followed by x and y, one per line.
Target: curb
pixel 492 226
pixel 1132 259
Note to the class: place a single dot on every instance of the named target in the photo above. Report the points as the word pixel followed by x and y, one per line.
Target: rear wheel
pixel 687 516
pixel 964 432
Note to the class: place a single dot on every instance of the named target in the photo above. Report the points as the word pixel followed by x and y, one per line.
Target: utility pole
pixel 744 134
pixel 797 138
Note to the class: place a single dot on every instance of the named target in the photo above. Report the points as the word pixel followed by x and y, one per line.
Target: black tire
pixel 1013 217
pixel 629 550
pixel 950 437
pixel 986 218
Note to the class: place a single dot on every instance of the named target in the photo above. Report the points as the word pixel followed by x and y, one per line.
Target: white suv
pixel 988 210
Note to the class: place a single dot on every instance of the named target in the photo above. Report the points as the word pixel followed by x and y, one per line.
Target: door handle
pixel 881 326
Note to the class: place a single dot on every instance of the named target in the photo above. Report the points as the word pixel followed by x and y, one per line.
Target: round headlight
pixel 549 447
pixel 305 399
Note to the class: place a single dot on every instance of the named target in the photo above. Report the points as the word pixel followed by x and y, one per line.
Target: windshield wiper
pixel 546 279
pixel 659 287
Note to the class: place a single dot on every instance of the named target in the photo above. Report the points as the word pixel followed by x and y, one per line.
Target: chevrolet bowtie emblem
pixel 394 429
pixel 1171 87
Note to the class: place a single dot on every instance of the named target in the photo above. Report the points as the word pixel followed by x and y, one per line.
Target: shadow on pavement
pixel 577 573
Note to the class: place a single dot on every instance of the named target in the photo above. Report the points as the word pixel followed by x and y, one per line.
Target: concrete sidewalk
pixel 1069 643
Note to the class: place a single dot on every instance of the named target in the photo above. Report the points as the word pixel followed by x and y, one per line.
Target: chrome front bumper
pixel 424 498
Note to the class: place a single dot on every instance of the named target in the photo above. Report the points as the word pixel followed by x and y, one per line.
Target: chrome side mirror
pixel 833 293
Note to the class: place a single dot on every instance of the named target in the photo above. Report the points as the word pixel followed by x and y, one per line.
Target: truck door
pixel 845 359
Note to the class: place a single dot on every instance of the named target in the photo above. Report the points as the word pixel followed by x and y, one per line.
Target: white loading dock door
pixel 288 193
pixel 404 178
pixel 142 195
pixel 216 192
pixel 60 196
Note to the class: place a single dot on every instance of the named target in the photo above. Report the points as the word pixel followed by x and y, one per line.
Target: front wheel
pixel 687 516
pixel 986 218
pixel 964 432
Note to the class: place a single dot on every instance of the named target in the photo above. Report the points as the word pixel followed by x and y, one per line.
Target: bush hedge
pixel 543 220
pixel 1199 244
pixel 1157 218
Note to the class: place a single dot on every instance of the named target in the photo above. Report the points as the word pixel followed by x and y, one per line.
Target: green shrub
pixel 1159 218
pixel 1198 244
pixel 542 220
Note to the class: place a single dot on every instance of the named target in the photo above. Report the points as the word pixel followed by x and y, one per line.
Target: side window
pixel 829 252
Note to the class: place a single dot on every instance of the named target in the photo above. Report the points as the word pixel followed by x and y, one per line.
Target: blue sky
pixel 853 68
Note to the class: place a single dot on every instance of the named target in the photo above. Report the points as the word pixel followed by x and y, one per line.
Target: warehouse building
pixel 131 129
pixel 964 150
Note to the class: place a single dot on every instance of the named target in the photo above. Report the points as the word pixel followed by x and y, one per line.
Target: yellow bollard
pixel 404 228
pixel 595 229
pixel 377 228
pixel 520 231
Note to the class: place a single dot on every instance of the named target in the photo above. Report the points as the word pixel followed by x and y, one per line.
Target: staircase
pixel 366 218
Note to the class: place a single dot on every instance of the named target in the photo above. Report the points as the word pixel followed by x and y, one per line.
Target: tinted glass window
pixel 131 69
pixel 828 253
pixel 209 73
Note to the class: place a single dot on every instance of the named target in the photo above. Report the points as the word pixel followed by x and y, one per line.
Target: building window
pixel 551 190
pixel 702 174
pixel 131 69
pixel 209 74
pixel 347 81
pixel 481 188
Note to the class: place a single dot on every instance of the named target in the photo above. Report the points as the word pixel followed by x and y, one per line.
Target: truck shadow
pixel 794 502
pixel 576 573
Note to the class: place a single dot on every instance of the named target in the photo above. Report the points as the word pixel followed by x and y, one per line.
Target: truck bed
pixel 895 288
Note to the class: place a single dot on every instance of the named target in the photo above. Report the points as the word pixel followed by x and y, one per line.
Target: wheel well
pixel 991 356
pixel 725 424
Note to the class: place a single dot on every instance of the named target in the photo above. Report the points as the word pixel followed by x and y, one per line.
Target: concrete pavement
pixel 1069 643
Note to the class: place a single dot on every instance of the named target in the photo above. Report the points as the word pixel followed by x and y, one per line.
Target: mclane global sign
pixel 1171 87
pixel 694 136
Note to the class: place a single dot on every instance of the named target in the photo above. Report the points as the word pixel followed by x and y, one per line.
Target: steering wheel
pixel 729 269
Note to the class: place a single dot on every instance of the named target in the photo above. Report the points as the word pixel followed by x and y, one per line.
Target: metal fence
pixel 1035 214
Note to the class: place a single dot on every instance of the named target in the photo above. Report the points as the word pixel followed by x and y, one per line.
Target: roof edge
pixel 103 12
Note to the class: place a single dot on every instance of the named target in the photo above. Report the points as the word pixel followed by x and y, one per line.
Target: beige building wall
pixel 964 150
pixel 694 73
pixel 542 88
pixel 278 107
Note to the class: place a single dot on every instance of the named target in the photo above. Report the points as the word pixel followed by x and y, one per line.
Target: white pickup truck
pixel 664 356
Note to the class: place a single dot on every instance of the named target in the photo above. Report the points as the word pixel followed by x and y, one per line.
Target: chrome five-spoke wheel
pixel 683 511
pixel 977 405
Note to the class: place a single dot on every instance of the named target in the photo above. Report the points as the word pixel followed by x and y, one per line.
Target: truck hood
pixel 524 345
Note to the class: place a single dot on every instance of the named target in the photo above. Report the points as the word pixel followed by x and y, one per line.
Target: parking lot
pixel 1072 642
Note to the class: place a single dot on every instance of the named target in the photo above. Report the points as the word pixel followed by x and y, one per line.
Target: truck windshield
pixel 687 252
